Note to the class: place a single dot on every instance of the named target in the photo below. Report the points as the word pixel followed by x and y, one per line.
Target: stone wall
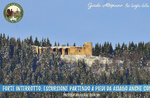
pixel 69 50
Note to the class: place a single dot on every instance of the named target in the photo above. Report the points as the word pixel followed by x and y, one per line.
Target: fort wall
pixel 69 50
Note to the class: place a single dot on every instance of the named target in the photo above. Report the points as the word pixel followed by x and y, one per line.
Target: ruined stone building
pixel 86 49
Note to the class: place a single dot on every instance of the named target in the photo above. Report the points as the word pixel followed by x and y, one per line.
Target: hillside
pixel 19 64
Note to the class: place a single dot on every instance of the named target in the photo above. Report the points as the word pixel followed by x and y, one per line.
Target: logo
pixel 13 12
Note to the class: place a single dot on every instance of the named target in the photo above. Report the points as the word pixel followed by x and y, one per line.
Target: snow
pixel 89 60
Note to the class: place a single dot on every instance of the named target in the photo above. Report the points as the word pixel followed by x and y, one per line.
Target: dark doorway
pixel 66 51
pixel 54 49
pixel 60 50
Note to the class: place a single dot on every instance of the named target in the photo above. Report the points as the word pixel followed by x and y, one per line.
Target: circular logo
pixel 13 12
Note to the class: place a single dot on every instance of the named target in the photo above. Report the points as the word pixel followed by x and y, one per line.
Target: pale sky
pixel 70 21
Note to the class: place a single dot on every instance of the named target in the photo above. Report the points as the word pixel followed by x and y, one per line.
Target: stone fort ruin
pixel 86 49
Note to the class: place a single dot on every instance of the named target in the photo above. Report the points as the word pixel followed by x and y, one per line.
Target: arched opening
pixel 66 51
pixel 54 49
pixel 60 50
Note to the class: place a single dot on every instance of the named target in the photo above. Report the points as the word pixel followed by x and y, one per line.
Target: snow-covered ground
pixel 89 60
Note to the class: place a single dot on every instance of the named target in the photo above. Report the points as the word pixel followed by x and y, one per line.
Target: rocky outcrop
pixel 89 60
